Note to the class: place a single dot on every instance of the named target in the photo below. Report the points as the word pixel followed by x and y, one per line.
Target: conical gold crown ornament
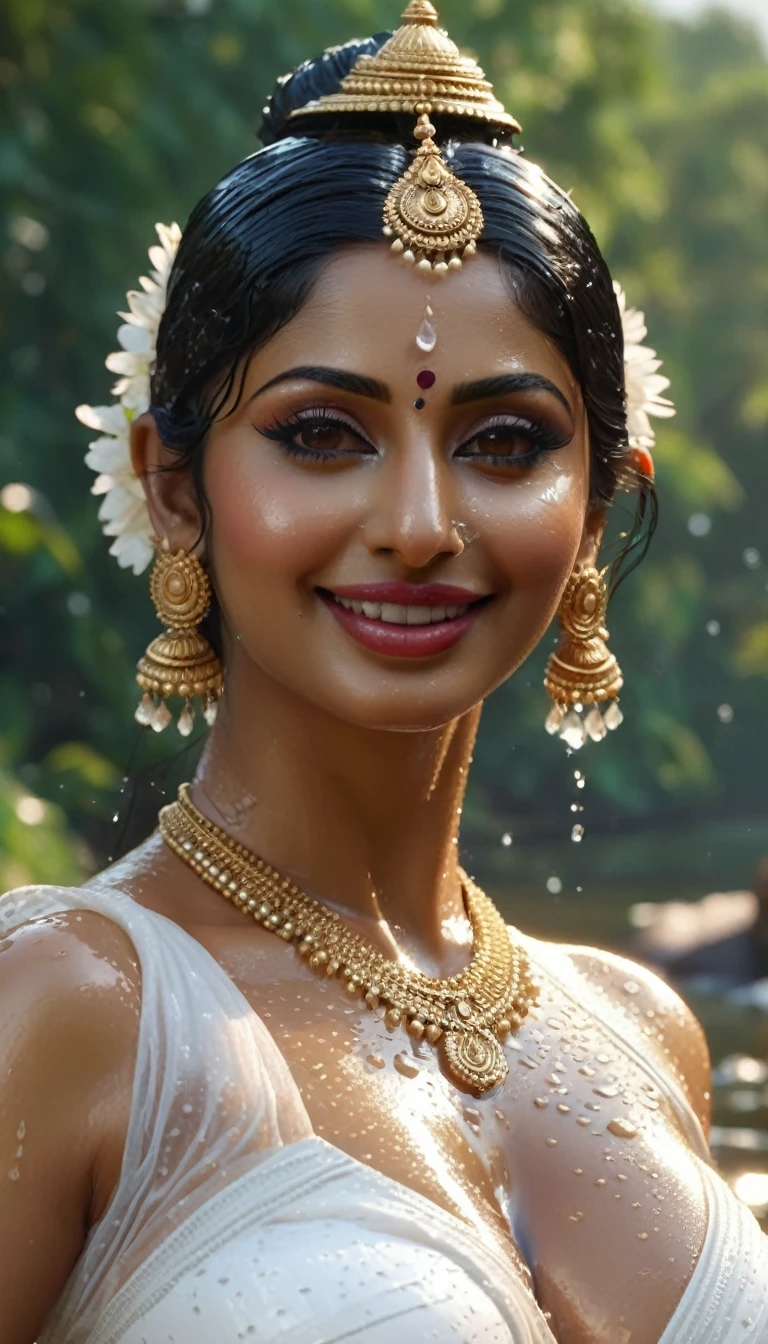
pixel 433 218
pixel 418 65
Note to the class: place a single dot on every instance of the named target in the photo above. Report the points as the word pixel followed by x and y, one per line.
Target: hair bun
pixel 313 79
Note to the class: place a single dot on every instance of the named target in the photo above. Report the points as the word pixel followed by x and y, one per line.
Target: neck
pixel 364 820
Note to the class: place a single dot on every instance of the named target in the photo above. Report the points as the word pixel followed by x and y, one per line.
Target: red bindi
pixel 426 379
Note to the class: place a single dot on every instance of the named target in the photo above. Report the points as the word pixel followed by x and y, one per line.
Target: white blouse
pixel 232 1221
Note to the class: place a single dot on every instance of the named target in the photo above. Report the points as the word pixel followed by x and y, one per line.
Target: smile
pixel 394 614
pixel 405 628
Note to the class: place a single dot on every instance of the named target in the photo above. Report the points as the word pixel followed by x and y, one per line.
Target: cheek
pixel 271 523
pixel 533 529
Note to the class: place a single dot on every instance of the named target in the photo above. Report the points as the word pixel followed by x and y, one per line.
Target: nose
pixel 412 513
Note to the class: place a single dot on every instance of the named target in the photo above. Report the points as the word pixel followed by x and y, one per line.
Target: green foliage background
pixel 116 115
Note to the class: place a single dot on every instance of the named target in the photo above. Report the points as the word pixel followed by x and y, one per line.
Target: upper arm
pixel 672 1031
pixel 66 1023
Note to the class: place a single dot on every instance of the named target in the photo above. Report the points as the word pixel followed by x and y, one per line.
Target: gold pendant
pixel 475 1058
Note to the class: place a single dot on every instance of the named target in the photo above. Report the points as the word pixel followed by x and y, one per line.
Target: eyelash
pixel 542 437
pixel 285 431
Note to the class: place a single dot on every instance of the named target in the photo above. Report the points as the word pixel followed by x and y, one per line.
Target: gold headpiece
pixel 432 216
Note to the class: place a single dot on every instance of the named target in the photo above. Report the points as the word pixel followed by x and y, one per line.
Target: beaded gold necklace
pixel 470 1014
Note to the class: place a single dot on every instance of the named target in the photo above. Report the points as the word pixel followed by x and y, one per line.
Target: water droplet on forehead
pixel 426 337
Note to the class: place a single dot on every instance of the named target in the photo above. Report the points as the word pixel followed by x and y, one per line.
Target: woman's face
pixel 388 550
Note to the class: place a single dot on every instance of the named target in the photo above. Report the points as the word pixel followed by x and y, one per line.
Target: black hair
pixel 255 245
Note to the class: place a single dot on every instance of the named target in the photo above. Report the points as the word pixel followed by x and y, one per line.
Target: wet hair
pixel 256 244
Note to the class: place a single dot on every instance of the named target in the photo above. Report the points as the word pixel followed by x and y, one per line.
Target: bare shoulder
pixel 69 980
pixel 656 1011
pixel 69 1011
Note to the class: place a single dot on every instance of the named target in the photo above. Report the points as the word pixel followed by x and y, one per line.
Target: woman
pixel 424 1126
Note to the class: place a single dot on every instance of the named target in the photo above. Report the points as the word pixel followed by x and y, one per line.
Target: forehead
pixel 366 307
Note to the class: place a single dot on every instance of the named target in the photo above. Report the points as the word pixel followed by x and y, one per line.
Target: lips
pixel 404 620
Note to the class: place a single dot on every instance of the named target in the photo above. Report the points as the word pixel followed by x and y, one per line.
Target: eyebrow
pixel 505 383
pixel 356 383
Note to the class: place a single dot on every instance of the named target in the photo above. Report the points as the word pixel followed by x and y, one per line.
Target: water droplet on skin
pixel 576 1217
pixel 21 1131
pixel 582 1119
pixel 578 1171
pixel 637 1205
pixel 643 1236
pixel 601 1181
pixel 624 1129
pixel 587 1072
pixel 563 1109
pixel 426 338
pixel 541 1102
pixel 375 1061
pixel 606 1090
pixel 593 1106
pixel 551 1143
pixel 406 1066
pixel 14 1174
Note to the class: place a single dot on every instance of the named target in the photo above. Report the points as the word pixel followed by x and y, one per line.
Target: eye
pixel 319 434
pixel 510 439
pixel 321 438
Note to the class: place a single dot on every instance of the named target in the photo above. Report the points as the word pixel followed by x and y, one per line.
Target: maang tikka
pixel 433 218
pixel 179 662
pixel 582 674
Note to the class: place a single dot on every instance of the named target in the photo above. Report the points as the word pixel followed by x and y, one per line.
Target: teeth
pixel 395 614
pixel 419 615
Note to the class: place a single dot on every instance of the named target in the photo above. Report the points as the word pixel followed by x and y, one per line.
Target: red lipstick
pixel 382 633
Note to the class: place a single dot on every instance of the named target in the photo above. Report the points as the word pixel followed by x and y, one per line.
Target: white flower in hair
pixel 123 512
pixel 644 384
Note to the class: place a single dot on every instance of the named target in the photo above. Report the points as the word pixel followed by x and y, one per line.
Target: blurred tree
pixel 116 115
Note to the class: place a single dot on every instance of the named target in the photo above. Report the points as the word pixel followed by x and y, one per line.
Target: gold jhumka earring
pixel 582 674
pixel 433 218
pixel 179 662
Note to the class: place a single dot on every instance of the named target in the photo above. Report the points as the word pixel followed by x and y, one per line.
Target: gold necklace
pixel 470 1014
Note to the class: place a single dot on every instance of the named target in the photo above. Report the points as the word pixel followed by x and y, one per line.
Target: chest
pixel 577 1162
